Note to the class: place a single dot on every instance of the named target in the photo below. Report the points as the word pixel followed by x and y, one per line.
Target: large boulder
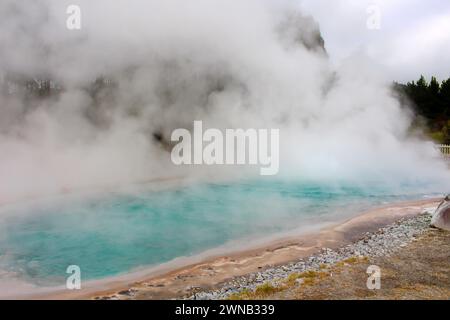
pixel 441 218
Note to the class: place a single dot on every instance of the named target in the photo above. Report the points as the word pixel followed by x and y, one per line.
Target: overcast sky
pixel 413 39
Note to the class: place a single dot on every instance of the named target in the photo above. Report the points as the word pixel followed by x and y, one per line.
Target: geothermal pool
pixel 115 233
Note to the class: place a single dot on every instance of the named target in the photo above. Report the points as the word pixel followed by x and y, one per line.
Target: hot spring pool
pixel 112 234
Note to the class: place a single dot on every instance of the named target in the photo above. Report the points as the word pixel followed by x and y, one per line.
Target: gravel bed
pixel 383 242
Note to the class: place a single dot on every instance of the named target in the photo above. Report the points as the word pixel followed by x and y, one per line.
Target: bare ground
pixel 420 270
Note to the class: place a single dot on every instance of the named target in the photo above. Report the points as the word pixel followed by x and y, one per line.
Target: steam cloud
pixel 139 69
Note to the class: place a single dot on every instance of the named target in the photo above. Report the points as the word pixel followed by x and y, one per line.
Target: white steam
pixel 232 64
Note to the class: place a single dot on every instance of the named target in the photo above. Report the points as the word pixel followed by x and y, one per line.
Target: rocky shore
pixel 384 242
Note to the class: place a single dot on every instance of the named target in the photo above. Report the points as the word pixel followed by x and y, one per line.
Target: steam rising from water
pixel 232 64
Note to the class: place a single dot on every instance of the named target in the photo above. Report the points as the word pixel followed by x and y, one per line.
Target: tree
pixel 444 96
pixel 432 102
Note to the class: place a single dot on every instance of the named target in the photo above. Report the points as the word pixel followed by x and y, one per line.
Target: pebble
pixel 383 242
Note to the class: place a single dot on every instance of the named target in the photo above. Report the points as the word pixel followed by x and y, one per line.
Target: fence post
pixel 444 149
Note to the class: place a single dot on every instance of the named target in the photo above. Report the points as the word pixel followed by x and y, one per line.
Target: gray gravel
pixel 384 242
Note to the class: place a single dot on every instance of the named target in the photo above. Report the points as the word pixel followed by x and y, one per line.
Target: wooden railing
pixel 445 149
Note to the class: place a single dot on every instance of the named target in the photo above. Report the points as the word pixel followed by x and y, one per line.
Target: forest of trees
pixel 431 102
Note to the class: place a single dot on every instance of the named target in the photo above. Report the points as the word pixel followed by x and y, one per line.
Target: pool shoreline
pixel 184 276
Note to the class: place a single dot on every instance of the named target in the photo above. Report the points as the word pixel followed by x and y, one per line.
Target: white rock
pixel 441 218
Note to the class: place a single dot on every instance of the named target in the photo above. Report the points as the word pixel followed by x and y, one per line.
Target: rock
pixel 129 292
pixel 441 217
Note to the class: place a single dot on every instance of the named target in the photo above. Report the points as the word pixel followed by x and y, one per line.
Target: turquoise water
pixel 111 234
